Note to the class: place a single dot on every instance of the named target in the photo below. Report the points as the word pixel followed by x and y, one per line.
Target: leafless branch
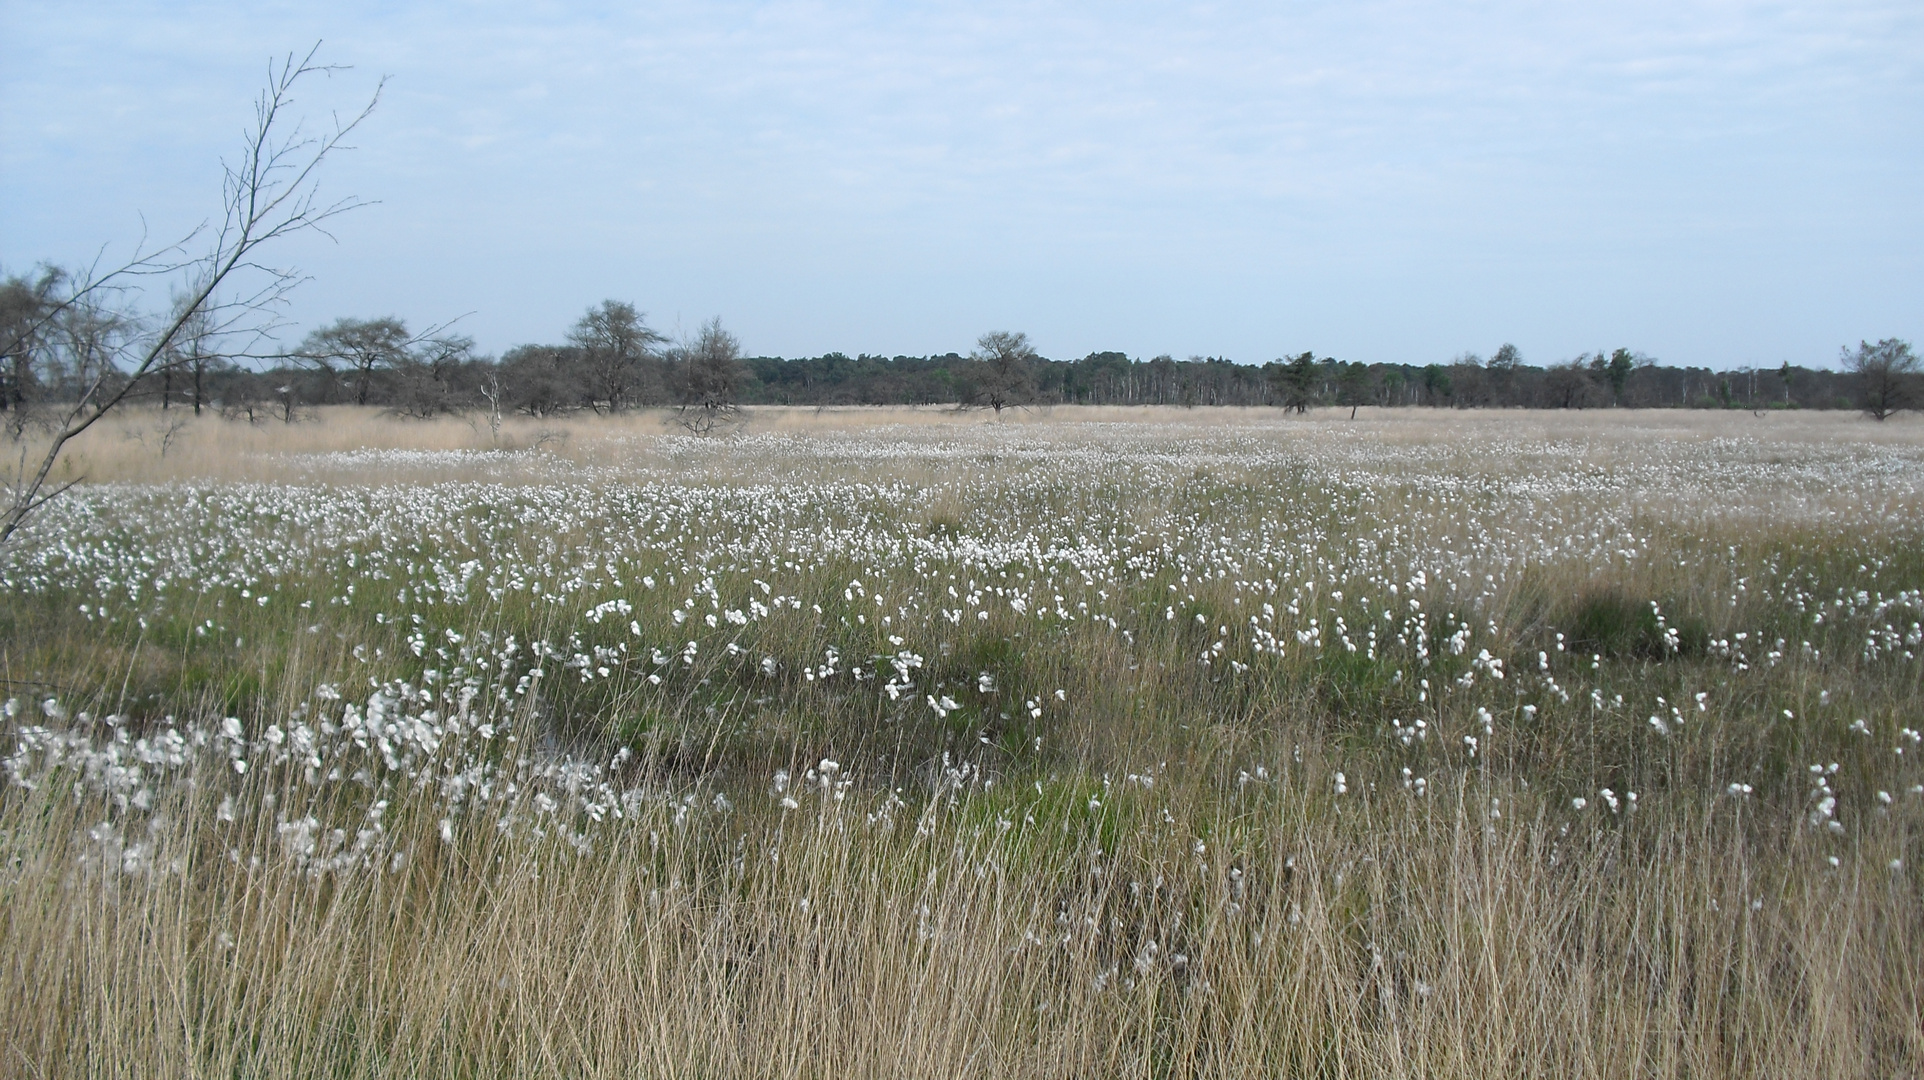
pixel 269 194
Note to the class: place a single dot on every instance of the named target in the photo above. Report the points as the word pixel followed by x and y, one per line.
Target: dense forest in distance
pixel 1113 378
pixel 611 361
pixel 550 380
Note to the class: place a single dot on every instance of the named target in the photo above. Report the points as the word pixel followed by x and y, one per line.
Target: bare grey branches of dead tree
pixel 708 378
pixel 226 287
pixel 1887 376
pixel 1004 368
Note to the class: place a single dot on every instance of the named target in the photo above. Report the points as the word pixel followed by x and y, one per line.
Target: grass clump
pixel 1608 622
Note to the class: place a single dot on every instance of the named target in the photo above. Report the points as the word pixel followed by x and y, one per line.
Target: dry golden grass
pixel 1369 940
pixel 1197 870
pixel 129 446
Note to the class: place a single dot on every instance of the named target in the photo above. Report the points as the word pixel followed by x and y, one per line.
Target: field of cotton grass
pixel 1120 743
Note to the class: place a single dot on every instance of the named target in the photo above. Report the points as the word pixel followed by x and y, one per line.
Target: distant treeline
pixel 540 380
pixel 1113 378
pixel 612 361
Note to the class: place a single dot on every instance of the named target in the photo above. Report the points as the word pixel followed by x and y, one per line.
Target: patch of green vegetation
pixel 1074 805
pixel 1353 686
pixel 240 692
pixel 989 654
pixel 1607 621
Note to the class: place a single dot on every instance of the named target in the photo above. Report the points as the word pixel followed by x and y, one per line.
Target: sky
pixel 1724 184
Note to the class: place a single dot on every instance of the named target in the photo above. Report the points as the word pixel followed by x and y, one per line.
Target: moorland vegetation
pixel 1086 742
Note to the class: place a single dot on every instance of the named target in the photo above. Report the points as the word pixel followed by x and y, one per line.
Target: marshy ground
pixel 893 743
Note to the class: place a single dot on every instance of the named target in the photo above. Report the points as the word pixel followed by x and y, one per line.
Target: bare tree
pixel 1570 385
pixel 708 380
pixel 492 392
pixel 384 361
pixel 165 431
pixel 1887 374
pixel 269 194
pixel 618 351
pixel 26 331
pixel 244 397
pixel 431 377
pixel 285 405
pixel 1004 369
pixel 191 359
pixel 362 349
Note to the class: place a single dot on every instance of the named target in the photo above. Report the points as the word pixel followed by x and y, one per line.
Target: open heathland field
pixel 897 743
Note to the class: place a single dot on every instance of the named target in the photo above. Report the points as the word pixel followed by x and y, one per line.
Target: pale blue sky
pixel 1721 183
